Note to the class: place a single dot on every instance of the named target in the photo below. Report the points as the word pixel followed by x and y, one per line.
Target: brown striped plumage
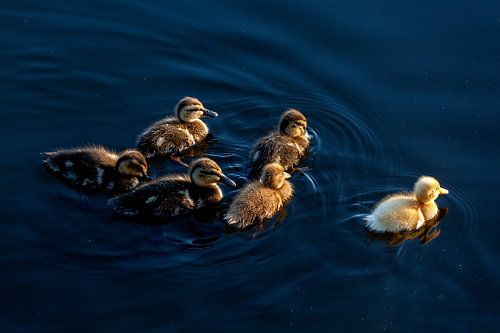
pixel 174 195
pixel 173 135
pixel 96 169
pixel 286 146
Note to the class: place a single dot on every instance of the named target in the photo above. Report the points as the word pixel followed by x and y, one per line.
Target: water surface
pixel 392 90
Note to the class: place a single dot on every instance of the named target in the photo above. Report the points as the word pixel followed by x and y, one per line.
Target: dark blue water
pixel 392 90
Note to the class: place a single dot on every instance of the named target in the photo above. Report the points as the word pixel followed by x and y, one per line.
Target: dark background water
pixel 392 90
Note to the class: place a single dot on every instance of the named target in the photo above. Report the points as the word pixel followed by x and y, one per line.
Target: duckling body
pixel 407 211
pixel 96 170
pixel 173 135
pixel 175 195
pixel 286 146
pixel 260 199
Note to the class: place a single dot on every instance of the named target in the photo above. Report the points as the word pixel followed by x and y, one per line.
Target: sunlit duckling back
pixel 407 211
pixel 97 169
pixel 173 195
pixel 173 135
pixel 286 145
pixel 260 199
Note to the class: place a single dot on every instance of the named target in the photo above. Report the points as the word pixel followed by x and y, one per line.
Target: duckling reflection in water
pixel 425 234
pixel 286 146
pixel 174 195
pixel 407 211
pixel 260 199
pixel 174 135
pixel 95 170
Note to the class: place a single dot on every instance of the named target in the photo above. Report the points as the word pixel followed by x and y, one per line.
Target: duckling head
pixel 293 123
pixel 274 175
pixel 427 189
pixel 133 164
pixel 189 109
pixel 206 173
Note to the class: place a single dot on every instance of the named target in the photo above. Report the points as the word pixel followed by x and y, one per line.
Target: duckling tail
pixel 371 222
pixel 47 154
pixel 49 164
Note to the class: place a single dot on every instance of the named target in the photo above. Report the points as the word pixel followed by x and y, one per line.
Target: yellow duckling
pixel 173 135
pixel 286 146
pixel 260 199
pixel 97 169
pixel 407 211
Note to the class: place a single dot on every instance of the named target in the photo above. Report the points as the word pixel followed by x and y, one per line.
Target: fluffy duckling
pixel 260 199
pixel 286 145
pixel 176 134
pixel 97 170
pixel 428 232
pixel 174 195
pixel 407 211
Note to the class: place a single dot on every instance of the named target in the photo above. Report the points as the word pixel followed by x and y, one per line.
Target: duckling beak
pixel 443 191
pixel 227 181
pixel 287 175
pixel 209 113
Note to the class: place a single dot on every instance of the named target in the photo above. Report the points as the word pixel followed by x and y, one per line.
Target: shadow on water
pixel 425 234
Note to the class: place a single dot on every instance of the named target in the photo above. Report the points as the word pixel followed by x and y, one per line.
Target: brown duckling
pixel 96 169
pixel 173 135
pixel 260 199
pixel 286 146
pixel 174 195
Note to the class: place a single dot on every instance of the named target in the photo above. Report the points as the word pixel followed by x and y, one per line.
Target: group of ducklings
pixel 273 157
pixel 125 176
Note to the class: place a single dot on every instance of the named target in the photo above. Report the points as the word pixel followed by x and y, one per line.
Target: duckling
pixel 173 135
pixel 407 211
pixel 173 195
pixel 428 232
pixel 260 199
pixel 96 169
pixel 286 146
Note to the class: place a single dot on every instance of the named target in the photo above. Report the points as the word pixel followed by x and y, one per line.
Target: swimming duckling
pixel 260 199
pixel 96 169
pixel 173 135
pixel 174 195
pixel 428 232
pixel 407 211
pixel 286 146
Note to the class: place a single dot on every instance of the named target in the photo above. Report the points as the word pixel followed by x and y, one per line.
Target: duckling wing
pixel 162 198
pixel 395 213
pixel 165 138
pixel 263 152
pixel 121 184
pixel 275 148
